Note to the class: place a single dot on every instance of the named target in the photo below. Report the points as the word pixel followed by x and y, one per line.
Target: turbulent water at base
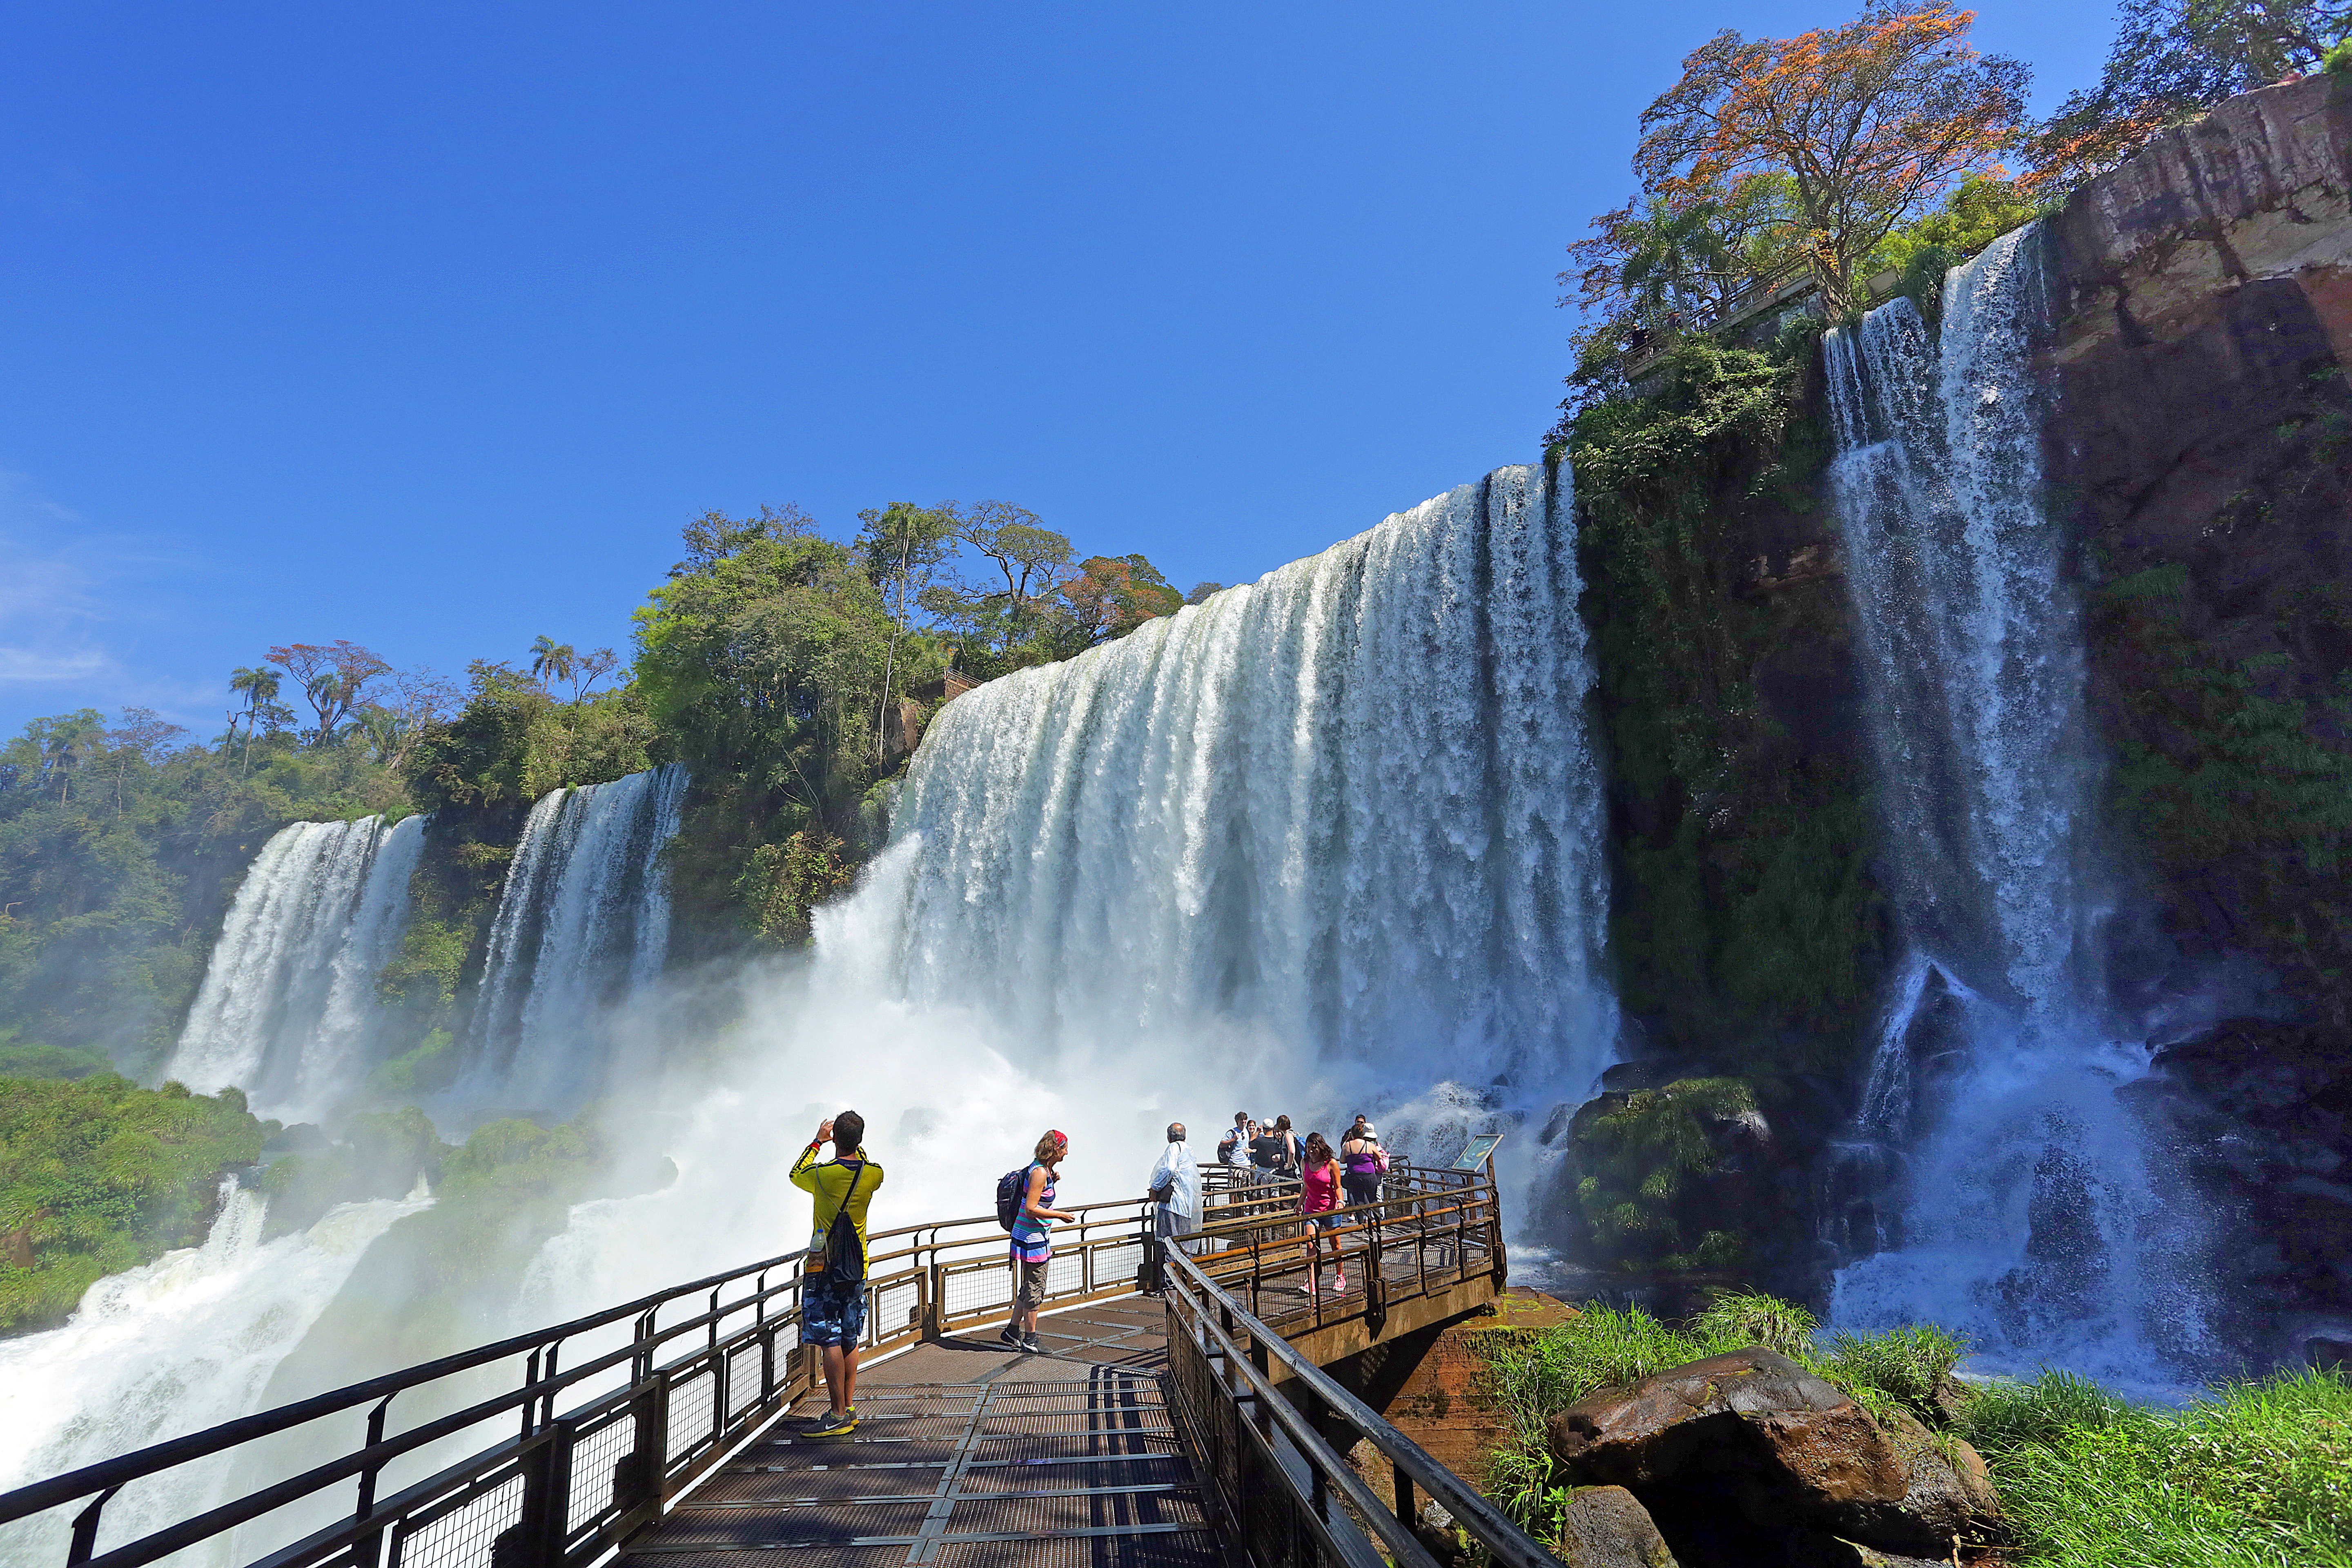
pixel 288 1006
pixel 582 922
pixel 173 1347
pixel 2032 1221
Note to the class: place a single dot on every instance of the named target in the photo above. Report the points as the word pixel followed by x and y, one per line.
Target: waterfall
pixel 1329 842
pixel 583 922
pixel 2034 1222
pixel 1348 810
pixel 286 1008
pixel 171 1347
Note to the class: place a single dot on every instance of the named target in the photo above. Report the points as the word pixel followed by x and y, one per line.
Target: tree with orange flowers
pixel 1870 122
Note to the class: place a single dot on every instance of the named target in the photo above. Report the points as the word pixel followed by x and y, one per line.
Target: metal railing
pixel 655 1409
pixel 611 1416
pixel 1283 1488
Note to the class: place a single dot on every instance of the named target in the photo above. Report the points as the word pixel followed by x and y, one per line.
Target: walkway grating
pixel 967 1455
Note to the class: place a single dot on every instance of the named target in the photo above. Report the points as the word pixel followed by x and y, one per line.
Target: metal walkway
pixel 1190 1427
pixel 968 1455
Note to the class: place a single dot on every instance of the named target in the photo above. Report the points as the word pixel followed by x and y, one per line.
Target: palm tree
pixel 260 685
pixel 552 660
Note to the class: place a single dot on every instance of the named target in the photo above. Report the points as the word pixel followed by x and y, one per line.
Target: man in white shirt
pixel 1175 1189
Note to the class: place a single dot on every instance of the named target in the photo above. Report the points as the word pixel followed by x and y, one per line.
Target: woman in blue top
pixel 1033 1244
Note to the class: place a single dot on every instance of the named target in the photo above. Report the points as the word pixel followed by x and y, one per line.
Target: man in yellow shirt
pixel 833 1297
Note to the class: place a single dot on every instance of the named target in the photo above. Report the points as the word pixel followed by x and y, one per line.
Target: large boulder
pixel 1755 1432
pixel 1607 1527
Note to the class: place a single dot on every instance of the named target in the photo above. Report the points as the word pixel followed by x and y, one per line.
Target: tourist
pixel 1232 1149
pixel 1319 1203
pixel 832 1292
pixel 1290 1149
pixel 1269 1152
pixel 1175 1190
pixel 1363 1162
pixel 1032 1242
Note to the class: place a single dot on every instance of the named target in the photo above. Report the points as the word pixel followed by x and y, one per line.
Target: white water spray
pixel 287 1010
pixel 173 1347
pixel 2033 1223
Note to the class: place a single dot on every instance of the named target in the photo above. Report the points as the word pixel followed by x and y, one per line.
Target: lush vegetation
pixel 97 1176
pixel 2255 1475
pixel 1744 909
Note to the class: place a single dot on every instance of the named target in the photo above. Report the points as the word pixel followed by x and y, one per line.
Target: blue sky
pixel 428 325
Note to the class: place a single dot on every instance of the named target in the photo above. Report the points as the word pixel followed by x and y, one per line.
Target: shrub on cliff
pixel 97 1176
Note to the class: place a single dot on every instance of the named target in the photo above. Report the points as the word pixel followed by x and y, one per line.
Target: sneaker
pixel 1011 1336
pixel 836 1423
pixel 1343 1284
pixel 1033 1344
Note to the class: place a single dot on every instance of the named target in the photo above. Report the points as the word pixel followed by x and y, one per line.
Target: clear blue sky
pixel 426 325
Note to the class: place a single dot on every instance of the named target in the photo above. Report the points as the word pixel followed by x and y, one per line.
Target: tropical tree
pixel 552 660
pixel 334 677
pixel 1870 122
pixel 1111 596
pixel 905 546
pixel 2171 61
pixel 258 685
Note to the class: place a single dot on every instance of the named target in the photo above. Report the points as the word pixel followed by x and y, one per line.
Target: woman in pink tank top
pixel 1319 1202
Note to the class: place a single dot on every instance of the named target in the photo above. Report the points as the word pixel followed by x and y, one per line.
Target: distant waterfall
pixel 2034 1221
pixel 1348 811
pixel 582 921
pixel 286 1006
pixel 168 1348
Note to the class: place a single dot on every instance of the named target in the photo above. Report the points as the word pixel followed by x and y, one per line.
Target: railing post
pixel 84 1528
pixel 535 1540
pixel 365 1549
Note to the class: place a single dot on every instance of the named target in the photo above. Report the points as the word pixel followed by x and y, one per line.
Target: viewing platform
pixel 1181 1414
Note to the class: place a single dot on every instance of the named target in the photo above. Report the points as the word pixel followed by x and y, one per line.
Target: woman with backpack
pixel 1032 1242
pixel 1319 1203
pixel 1364 1161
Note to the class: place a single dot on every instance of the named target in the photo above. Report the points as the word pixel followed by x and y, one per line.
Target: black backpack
pixel 844 1260
pixel 1013 1195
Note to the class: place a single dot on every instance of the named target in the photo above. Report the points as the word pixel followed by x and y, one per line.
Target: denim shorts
pixel 832 1314
pixel 1329 1219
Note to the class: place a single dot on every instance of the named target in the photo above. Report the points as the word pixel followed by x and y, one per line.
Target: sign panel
pixel 1479 1149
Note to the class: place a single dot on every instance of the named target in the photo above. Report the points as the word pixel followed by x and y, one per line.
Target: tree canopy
pixel 1870 122
pixel 2173 59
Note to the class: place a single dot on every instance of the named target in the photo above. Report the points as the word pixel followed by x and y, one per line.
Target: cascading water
pixel 175 1346
pixel 1348 809
pixel 1323 843
pixel 286 1008
pixel 583 920
pixel 2032 1221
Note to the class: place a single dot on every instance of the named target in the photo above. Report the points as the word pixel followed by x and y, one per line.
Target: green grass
pixel 2259 1475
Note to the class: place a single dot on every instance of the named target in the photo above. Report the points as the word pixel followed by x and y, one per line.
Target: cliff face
pixel 2204 447
pixel 2203 444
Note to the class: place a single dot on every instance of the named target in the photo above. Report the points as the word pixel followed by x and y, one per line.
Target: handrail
pixel 584 1479
pixel 1505 1542
pixel 127 1468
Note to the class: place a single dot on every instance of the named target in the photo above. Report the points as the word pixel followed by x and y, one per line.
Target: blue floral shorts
pixel 832 1314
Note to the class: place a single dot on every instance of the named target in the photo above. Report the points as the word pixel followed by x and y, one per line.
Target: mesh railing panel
pixel 690 1414
pixel 464 1532
pixel 594 1452
pixel 742 1378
